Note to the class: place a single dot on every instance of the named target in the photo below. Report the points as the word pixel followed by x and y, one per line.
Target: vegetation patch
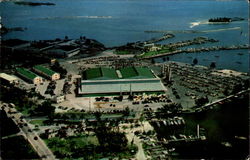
pixel 17 148
pixel 83 147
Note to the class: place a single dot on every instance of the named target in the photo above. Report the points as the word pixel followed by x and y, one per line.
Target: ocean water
pixel 117 22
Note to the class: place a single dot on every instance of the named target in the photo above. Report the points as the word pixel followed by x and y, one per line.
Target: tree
pixel 152 61
pixel 195 61
pixel 98 116
pixel 201 101
pixel 126 112
pixel 141 119
pixel 212 65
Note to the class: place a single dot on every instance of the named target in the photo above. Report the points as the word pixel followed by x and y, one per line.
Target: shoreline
pixel 208 49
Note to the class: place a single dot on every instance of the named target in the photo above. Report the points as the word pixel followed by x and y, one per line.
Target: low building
pixel 8 79
pixel 46 72
pixel 29 76
pixel 129 80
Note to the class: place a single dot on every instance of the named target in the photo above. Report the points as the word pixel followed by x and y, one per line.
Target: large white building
pixel 102 81
pixel 8 78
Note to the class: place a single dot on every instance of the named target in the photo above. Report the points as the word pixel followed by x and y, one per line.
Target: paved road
pixel 37 143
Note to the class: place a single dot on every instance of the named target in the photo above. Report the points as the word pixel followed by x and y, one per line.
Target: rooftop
pixel 110 73
pixel 44 70
pixel 136 72
pixel 100 73
pixel 8 77
pixel 121 85
pixel 26 73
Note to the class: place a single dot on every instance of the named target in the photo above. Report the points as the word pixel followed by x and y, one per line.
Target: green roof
pixel 44 70
pixel 26 73
pixel 100 73
pixel 136 72
pixel 144 72
pixel 109 73
pixel 128 72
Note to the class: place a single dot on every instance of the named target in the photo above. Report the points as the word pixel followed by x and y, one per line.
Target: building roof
pixel 121 85
pixel 8 77
pixel 100 73
pixel 26 73
pixel 126 73
pixel 136 72
pixel 44 70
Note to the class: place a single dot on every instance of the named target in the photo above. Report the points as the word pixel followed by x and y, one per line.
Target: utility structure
pixel 166 71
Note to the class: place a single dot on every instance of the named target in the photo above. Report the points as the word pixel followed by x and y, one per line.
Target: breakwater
pixel 154 40
pixel 198 40
pixel 203 49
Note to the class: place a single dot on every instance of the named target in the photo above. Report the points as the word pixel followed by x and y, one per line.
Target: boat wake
pixel 194 24
pixel 76 17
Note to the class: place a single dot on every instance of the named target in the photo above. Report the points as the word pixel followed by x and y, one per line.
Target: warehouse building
pixel 29 76
pixel 8 79
pixel 46 72
pixel 129 80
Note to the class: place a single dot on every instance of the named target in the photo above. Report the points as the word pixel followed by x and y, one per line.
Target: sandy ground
pixel 227 73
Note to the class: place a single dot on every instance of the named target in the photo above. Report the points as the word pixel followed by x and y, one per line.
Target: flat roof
pixel 8 77
pixel 26 73
pixel 121 85
pixel 124 73
pixel 44 70
pixel 136 72
pixel 100 73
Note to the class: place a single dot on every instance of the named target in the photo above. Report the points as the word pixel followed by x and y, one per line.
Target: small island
pixel 220 19
pixel 34 3
pixel 225 19
pixel 4 30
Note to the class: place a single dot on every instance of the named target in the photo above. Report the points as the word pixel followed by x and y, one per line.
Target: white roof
pixel 124 85
pixel 8 77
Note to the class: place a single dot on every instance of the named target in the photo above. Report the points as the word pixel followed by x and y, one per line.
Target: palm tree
pixel 195 61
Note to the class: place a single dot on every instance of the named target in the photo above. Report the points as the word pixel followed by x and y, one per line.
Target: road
pixel 36 142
